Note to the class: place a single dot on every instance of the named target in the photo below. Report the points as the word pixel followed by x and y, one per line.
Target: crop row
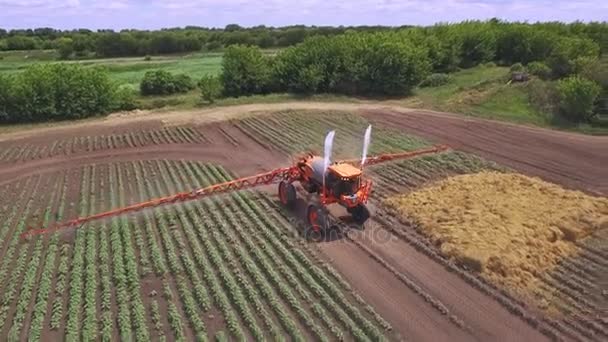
pixel 298 133
pixel 16 266
pixel 275 250
pixel 45 289
pixel 221 255
pixel 201 261
pixel 166 135
pixel 29 282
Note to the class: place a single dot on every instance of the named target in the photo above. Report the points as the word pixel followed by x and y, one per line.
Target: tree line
pixel 108 43
pixel 386 62
pixel 393 63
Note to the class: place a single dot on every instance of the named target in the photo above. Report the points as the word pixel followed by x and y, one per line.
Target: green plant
pixel 147 58
pixel 161 82
pixel 539 69
pixel 211 88
pixel 6 100
pixel 365 64
pixel 58 91
pixel 594 70
pixel 125 99
pixel 183 83
pixel 567 51
pixel 543 95
pixel 435 80
pixel 246 71
pixel 577 96
pixel 65 47
pixel 517 67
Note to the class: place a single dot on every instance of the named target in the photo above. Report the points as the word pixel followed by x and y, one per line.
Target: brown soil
pixel 574 160
pixel 235 151
pixel 403 285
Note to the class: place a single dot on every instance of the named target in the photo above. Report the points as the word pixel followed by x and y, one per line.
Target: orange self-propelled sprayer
pixel 340 182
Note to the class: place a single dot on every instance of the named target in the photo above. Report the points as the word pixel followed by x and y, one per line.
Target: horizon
pixel 154 15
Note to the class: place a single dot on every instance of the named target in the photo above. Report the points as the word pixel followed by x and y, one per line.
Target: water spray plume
pixel 366 141
pixel 329 142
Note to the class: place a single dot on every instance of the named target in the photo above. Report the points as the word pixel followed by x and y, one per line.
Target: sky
pixel 155 14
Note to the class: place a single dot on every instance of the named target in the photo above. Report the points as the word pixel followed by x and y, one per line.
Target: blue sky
pixel 154 14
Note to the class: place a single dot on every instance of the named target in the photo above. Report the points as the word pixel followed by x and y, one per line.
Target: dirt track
pixel 575 160
pixel 570 159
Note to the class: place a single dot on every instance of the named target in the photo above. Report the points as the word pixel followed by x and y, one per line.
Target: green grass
pixel 193 100
pixel 127 71
pixel 482 91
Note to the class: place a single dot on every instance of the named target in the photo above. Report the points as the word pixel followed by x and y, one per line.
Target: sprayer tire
pixel 317 218
pixel 287 194
pixel 360 213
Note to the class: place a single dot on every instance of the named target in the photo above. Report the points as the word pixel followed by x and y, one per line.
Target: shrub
pixel 517 67
pixel 567 51
pixel 161 82
pixel 183 83
pixel 59 91
pixel 125 99
pixel 594 70
pixel 435 80
pixel 211 88
pixel 147 58
pixel 543 95
pixel 245 71
pixel 478 44
pixel 6 100
pixel 577 96
pixel 362 64
pixel 212 46
pixel 65 47
pixel 539 69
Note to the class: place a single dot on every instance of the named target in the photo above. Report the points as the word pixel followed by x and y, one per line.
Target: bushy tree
pixel 539 69
pixel 6 101
pixel 594 70
pixel 517 67
pixel 577 97
pixel 514 44
pixel 21 43
pixel 125 99
pixel 477 43
pixel 245 71
pixel 65 47
pixel 356 63
pixel 567 51
pixel 211 88
pixel 60 91
pixel 161 82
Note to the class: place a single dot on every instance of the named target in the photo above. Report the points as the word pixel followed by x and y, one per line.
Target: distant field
pixel 128 70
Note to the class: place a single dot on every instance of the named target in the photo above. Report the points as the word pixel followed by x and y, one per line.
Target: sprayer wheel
pixel 287 194
pixel 360 213
pixel 317 218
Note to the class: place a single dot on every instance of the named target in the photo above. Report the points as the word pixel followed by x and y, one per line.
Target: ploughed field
pixel 236 266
